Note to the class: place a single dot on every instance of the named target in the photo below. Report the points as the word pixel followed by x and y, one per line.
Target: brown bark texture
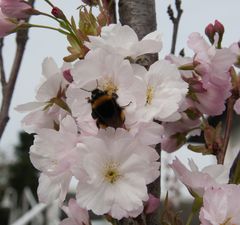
pixel 8 86
pixel 141 16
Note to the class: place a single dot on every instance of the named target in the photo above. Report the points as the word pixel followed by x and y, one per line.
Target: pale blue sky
pixel 43 43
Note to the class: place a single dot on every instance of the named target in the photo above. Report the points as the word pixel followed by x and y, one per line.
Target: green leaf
pixel 234 176
pixel 74 26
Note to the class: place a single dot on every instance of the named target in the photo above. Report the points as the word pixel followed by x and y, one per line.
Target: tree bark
pixel 141 16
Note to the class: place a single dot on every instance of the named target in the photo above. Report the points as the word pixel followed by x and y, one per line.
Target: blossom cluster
pixel 94 121
pixel 99 119
pixel 220 201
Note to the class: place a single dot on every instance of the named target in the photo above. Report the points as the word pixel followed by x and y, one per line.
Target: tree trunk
pixel 141 16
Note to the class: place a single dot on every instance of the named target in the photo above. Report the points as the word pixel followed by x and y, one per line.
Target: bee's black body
pixel 106 110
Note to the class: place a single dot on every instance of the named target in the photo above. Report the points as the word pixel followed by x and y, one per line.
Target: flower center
pixel 111 173
pixel 149 95
pixel 110 87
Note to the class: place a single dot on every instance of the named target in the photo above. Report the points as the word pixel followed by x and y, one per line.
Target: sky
pixel 45 43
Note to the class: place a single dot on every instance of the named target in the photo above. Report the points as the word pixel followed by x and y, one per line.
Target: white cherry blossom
pixel 123 40
pixel 53 154
pixel 45 111
pixel 164 91
pixel 116 168
pixel 198 181
pixel 221 205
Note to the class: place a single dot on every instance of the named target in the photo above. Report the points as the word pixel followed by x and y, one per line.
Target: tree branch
pixel 141 16
pixel 2 70
pixel 8 87
pixel 175 21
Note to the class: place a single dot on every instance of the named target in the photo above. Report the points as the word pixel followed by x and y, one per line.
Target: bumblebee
pixel 106 110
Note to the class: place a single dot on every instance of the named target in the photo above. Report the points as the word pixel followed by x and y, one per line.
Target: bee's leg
pixel 125 106
pixel 94 115
pixel 114 96
pixel 88 100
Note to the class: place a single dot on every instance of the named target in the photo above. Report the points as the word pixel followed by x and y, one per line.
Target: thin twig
pixel 2 70
pixel 175 21
pixel 8 87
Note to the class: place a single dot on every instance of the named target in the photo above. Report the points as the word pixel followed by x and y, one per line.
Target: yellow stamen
pixel 111 173
pixel 110 87
pixel 149 95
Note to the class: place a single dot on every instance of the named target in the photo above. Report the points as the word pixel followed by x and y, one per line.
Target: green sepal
pixel 188 66
pixel 63 25
pixel 234 176
pixel 61 104
pixel 197 204
pixel 200 149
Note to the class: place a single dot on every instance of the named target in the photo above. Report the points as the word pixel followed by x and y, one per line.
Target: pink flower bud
pixel 58 13
pixel 209 31
pixel 67 75
pixel 152 204
pixel 218 27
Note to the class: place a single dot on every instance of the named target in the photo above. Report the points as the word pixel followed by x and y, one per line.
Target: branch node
pixel 170 13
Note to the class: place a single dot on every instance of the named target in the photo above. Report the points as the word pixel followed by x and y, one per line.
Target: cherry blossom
pixel 211 98
pixel 213 64
pixel 95 72
pixel 198 181
pixel 107 72
pixel 50 104
pixel 115 171
pixel 221 205
pixel 123 40
pixel 53 154
pixel 161 100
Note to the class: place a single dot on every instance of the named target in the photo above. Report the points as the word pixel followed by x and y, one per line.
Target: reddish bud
pixel 218 27
pixel 58 13
pixel 152 204
pixel 210 31
pixel 67 75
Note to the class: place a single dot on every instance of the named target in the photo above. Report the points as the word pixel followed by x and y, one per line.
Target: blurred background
pixel 18 178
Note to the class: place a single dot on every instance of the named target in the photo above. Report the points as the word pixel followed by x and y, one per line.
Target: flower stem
pixel 222 153
pixel 47 1
pixel 48 15
pixel 48 27
pixel 190 217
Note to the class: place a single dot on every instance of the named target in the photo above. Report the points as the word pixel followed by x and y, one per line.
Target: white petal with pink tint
pixel 123 40
pixel 199 181
pixel 116 169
